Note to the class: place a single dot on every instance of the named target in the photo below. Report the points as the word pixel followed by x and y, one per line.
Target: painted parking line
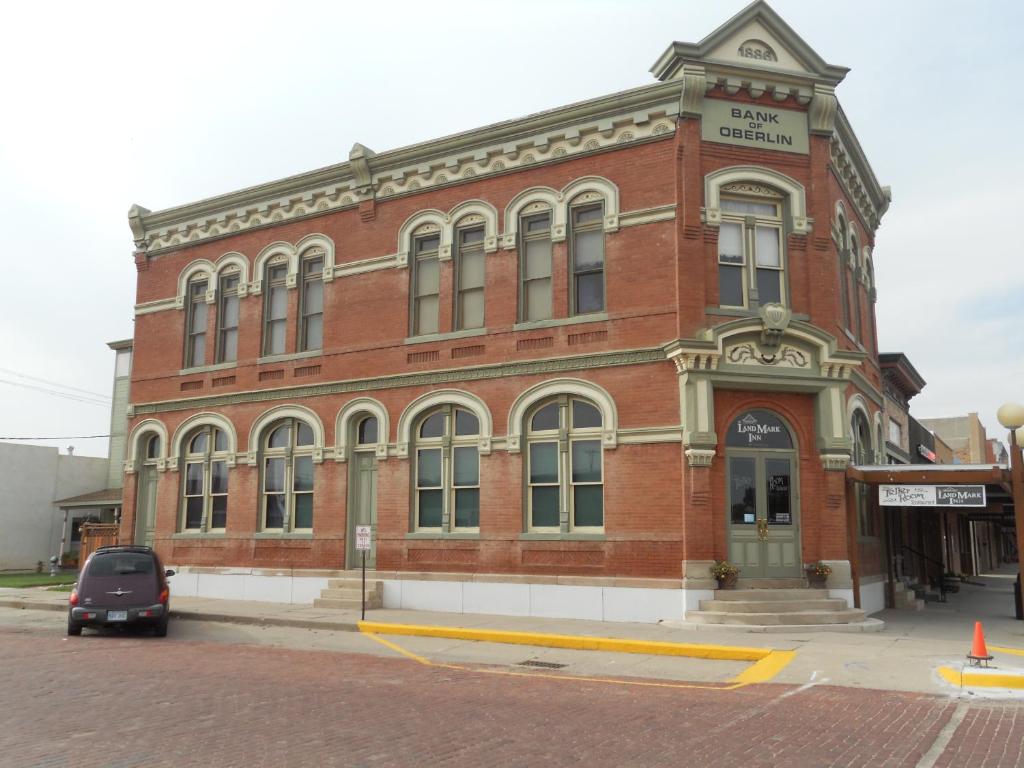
pixel 767 664
pixel 1013 651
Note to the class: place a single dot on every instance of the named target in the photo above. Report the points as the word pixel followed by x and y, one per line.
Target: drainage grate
pixel 541 664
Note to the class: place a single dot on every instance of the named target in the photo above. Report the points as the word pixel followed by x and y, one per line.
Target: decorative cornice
pixel 856 176
pixel 426 378
pixel 647 215
pixel 699 457
pixel 629 117
pixel 834 462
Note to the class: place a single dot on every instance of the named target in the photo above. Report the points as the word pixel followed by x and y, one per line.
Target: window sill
pixel 278 535
pixel 562 537
pixel 529 325
pixel 427 338
pixel 740 312
pixel 181 535
pixel 208 368
pixel 437 535
pixel 289 356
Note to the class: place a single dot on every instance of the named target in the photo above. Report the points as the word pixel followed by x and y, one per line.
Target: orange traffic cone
pixel 979 653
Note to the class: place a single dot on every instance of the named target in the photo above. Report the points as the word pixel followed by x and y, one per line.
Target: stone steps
pixel 348 593
pixel 784 606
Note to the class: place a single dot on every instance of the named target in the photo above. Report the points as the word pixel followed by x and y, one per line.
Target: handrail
pixel 942 570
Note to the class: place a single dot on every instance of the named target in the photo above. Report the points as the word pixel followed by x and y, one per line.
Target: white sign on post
pixel 362 538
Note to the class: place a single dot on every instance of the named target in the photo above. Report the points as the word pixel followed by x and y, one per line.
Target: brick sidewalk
pixel 125 701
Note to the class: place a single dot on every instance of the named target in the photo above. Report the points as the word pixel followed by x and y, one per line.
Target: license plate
pixel 117 615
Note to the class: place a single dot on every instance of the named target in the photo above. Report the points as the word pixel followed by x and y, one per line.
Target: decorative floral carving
pixel 749 188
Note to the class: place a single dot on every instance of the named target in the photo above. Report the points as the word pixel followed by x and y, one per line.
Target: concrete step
pixel 773 606
pixel 799 618
pixel 770 595
pixel 349 594
pixel 793 583
pixel 349 583
pixel 331 602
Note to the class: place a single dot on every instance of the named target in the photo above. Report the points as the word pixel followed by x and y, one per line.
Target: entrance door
pixel 145 508
pixel 362 506
pixel 763 518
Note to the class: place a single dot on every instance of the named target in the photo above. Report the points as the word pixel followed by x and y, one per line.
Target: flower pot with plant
pixel 725 574
pixel 818 573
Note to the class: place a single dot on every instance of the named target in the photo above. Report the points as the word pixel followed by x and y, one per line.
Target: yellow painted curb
pixel 1014 651
pixel 766 669
pixel 579 642
pixel 981 679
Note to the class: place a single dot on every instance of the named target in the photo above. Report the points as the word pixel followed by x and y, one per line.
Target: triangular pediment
pixel 756 38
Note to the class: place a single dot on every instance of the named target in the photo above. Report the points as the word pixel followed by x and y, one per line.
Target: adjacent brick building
pixel 571 358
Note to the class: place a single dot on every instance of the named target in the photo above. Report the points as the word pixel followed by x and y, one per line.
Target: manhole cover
pixel 541 664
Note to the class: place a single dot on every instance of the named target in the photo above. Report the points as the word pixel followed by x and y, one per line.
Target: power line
pixel 73 437
pixel 55 393
pixel 21 375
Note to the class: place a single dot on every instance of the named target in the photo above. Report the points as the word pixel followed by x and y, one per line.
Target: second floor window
pixel 587 278
pixel 854 291
pixel 535 267
pixel 750 259
pixel 275 310
pixel 227 319
pixel 311 302
pixel 426 284
pixel 469 279
pixel 195 341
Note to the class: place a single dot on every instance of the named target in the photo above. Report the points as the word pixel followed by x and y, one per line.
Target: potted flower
pixel 817 573
pixel 725 574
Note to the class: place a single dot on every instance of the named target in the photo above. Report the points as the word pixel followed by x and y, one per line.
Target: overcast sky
pixel 109 104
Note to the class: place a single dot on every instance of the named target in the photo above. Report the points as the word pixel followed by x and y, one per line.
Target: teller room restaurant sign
pixel 754 125
pixel 931 495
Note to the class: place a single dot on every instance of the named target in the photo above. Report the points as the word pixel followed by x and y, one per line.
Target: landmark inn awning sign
pixel 754 125
pixel 931 495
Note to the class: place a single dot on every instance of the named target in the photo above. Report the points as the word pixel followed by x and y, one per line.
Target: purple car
pixel 121 585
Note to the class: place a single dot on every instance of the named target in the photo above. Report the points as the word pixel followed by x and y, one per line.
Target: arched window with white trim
pixel 195 332
pixel 286 483
pixel 204 494
pixel 426 279
pixel 311 302
pixel 535 256
pixel 854 288
pixel 275 308
pixel 564 466
pixel 751 257
pixel 227 317
pixel 469 272
pixel 586 255
pixel 446 476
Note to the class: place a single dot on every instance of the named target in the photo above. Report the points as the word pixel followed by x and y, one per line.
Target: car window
pixel 121 564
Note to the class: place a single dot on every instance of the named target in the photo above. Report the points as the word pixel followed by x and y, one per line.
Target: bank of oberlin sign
pixel 754 125
pixel 931 495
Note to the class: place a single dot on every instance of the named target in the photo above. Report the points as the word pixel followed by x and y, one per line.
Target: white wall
pixel 31 479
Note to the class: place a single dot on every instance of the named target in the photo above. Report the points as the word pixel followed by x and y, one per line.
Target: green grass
pixel 17 580
pixel 61 588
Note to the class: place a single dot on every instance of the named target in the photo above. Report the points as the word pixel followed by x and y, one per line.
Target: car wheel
pixel 161 629
pixel 74 628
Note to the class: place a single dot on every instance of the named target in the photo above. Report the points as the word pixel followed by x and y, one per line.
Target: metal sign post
pixel 362 545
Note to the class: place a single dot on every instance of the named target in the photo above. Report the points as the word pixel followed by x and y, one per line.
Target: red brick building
pixel 561 363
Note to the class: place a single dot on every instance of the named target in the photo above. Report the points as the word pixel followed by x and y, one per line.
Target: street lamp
pixel 1011 416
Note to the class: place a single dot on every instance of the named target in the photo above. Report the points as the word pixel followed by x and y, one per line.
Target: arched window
pixel 426 279
pixel 204 505
pixel 366 431
pixel 311 303
pixel 446 481
pixel 195 332
pixel 751 259
pixel 586 247
pixel 227 318
pixel 854 287
pixel 842 244
pixel 535 262
pixel 152 448
pixel 469 273
pixel 286 498
pixel 564 472
pixel 275 308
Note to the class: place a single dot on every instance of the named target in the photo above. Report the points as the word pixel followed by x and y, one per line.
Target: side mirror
pixel 168 572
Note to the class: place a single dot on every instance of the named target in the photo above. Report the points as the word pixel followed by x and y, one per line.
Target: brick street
pixel 134 700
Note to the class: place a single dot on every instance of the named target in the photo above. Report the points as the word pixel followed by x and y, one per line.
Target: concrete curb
pixel 577 642
pixel 982 678
pixel 266 621
pixel 34 605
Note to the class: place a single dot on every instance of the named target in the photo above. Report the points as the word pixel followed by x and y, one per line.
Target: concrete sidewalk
pixel 906 655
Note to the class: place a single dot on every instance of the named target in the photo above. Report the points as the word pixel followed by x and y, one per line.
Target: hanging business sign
pixel 931 495
pixel 754 125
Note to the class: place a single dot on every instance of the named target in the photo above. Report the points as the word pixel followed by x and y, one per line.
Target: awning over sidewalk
pixel 995 477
